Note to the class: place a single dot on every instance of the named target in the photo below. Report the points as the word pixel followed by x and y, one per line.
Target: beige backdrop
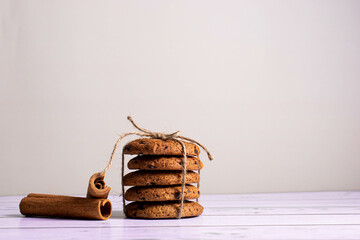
pixel 271 87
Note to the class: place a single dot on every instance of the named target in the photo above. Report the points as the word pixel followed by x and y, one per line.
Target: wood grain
pixel 319 215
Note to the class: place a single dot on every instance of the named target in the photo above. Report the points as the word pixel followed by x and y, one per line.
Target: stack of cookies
pixel 156 183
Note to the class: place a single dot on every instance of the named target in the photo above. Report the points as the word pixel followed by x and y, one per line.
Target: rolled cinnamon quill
pixel 65 207
pixel 97 187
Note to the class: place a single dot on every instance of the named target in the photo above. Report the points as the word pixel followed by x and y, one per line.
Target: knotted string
pixel 164 136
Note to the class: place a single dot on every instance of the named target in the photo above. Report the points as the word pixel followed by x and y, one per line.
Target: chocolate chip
pixel 142 142
pixel 196 162
pixel 181 163
pixel 147 184
pixel 196 151
pixel 177 195
pixel 152 183
pixel 166 147
pixel 152 167
pixel 142 199
pixel 127 148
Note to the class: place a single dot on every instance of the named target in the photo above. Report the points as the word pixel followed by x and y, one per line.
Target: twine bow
pixel 151 134
pixel 164 136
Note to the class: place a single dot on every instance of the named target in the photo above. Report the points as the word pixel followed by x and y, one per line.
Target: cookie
pixel 161 193
pixel 148 178
pixel 153 162
pixel 152 146
pixel 162 209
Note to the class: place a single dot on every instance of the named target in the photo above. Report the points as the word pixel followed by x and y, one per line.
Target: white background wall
pixel 271 87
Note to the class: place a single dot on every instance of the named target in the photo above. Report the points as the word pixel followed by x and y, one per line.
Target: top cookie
pixel 152 146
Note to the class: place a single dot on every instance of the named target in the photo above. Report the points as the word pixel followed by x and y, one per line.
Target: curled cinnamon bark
pixel 97 187
pixel 65 207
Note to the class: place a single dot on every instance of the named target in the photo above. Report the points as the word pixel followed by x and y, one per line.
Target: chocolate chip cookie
pixel 161 193
pixel 162 209
pixel 152 146
pixel 148 178
pixel 155 162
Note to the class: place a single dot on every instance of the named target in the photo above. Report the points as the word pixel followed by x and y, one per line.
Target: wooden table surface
pixel 316 215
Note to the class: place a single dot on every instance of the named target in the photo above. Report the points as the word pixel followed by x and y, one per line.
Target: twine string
pixel 122 178
pixel 183 179
pixel 158 135
pixel 198 186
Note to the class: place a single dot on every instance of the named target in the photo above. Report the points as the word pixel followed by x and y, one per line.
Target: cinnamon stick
pixel 97 187
pixel 65 206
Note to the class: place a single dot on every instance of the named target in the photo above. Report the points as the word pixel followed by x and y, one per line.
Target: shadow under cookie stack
pixel 156 183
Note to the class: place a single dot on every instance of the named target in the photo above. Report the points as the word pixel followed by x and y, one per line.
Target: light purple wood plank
pixel 249 220
pixel 280 204
pixel 259 232
pixel 285 196
pixel 229 211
